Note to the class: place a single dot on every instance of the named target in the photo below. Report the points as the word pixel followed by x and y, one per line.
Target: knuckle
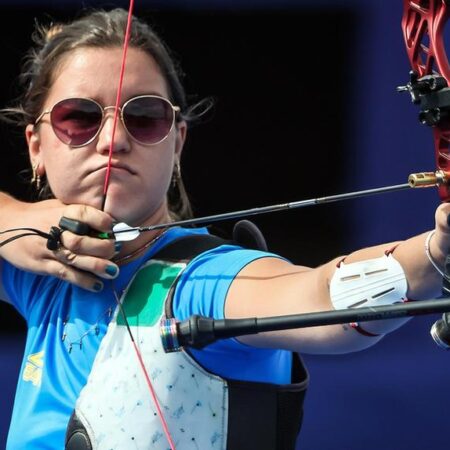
pixel 83 212
pixel 63 273
pixel 76 212
pixel 70 211
pixel 67 210
pixel 70 258
pixel 98 266
pixel 76 242
pixel 107 221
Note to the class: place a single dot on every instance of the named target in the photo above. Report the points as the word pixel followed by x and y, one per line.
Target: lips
pixel 116 167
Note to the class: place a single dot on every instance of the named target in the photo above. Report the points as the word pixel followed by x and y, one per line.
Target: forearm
pixel 17 214
pixel 10 209
pixel 423 280
pixel 272 287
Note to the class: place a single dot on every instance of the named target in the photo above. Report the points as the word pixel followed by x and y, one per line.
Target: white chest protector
pixel 203 411
pixel 194 402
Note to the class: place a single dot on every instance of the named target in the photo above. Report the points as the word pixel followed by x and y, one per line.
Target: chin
pixel 132 208
pixel 131 214
pixel 120 213
pixel 89 197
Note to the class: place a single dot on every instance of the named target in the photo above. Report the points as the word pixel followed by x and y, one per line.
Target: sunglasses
pixel 148 119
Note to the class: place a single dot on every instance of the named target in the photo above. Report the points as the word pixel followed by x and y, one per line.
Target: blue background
pixel 394 395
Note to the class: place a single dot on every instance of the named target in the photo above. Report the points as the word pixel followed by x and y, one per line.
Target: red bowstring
pixel 105 191
pixel 118 99
pixel 145 372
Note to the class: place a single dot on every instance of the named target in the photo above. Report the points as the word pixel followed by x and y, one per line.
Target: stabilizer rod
pixel 199 331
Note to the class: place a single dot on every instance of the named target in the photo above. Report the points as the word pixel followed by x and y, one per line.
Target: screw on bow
pixel 423 25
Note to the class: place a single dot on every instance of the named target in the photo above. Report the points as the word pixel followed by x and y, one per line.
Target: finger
pixel 72 275
pixel 96 219
pixel 96 266
pixel 90 246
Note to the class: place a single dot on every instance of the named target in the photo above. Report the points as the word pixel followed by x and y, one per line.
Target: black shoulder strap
pixel 245 233
pixel 184 249
pixel 188 247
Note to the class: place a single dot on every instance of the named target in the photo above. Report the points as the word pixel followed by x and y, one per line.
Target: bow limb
pixel 423 26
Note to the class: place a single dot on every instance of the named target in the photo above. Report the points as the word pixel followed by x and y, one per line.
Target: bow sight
pixel 432 94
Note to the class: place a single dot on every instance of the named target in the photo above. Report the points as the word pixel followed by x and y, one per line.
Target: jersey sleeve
pixel 202 290
pixel 22 287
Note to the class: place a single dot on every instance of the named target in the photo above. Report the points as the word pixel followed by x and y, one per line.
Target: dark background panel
pixel 305 107
pixel 257 145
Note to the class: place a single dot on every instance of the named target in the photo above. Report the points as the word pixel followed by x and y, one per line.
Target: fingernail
pixel 111 270
pixel 448 220
pixel 117 246
pixel 98 286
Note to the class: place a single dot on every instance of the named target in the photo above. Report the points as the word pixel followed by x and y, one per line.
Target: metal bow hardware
pixel 423 25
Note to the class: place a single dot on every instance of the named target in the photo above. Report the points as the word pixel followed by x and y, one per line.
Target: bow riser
pixel 423 26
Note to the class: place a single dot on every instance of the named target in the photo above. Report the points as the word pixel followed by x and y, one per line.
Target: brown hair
pixel 98 29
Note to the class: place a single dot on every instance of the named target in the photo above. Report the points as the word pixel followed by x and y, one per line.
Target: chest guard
pixel 202 410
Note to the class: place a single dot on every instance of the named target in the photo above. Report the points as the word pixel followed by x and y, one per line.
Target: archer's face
pixel 140 174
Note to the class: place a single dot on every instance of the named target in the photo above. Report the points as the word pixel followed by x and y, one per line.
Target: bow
pixel 419 41
pixel 423 25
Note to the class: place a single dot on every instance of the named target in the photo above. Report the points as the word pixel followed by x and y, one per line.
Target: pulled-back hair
pixel 96 29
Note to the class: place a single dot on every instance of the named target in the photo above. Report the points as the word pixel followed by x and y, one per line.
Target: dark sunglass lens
pixel 76 121
pixel 148 119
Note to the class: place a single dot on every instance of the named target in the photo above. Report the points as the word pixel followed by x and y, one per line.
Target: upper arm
pixel 273 287
pixel 201 290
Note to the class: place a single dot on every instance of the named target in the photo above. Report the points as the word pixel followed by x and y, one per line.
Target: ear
pixel 34 148
pixel 180 138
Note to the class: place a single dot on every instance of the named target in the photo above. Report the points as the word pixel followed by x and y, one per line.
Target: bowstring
pixel 118 100
pixel 105 192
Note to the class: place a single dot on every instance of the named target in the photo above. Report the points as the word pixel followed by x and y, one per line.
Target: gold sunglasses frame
pixel 175 110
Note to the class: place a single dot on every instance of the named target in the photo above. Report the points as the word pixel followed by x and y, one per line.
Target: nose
pixel 121 140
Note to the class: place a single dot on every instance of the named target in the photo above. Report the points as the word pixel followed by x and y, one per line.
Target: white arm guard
pixel 373 282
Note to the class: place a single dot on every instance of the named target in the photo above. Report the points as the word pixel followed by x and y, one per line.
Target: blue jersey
pixel 66 325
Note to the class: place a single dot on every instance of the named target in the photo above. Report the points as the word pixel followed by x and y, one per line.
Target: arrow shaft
pixel 273 208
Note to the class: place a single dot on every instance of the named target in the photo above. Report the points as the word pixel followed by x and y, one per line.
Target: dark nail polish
pixel 111 270
pixel 117 246
pixel 97 286
pixel 448 220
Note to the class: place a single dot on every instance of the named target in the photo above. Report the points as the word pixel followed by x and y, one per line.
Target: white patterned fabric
pixel 116 407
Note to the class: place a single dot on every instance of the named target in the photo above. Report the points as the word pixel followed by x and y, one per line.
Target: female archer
pixel 84 383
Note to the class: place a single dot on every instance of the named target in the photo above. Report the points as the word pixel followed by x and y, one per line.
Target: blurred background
pixel 305 107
